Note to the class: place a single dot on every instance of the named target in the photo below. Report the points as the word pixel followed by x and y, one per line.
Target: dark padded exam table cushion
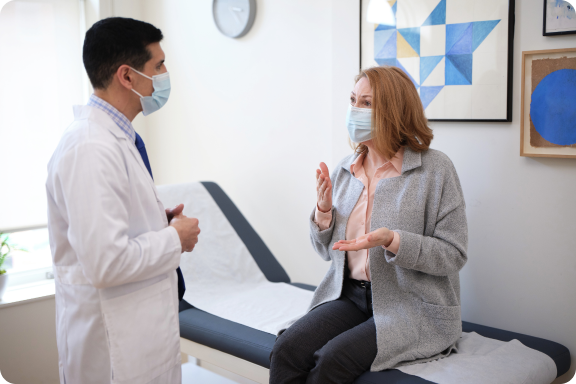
pixel 255 346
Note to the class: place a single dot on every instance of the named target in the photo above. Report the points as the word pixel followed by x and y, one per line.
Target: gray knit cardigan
pixel 416 292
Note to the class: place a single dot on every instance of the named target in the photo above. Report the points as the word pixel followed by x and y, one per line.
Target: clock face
pixel 234 18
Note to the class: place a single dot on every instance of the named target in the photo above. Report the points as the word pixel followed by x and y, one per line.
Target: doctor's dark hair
pixel 398 117
pixel 116 41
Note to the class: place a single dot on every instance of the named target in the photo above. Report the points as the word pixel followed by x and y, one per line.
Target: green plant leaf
pixel 6 247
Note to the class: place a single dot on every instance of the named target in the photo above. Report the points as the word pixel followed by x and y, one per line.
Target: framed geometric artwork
pixel 559 18
pixel 548 110
pixel 458 54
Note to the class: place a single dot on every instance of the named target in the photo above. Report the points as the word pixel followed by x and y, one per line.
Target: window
pixel 33 262
pixel 43 77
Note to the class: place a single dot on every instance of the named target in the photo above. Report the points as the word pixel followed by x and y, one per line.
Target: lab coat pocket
pixel 143 333
pixel 440 327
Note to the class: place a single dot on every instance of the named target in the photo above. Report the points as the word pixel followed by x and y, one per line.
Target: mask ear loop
pixel 133 90
pixel 141 74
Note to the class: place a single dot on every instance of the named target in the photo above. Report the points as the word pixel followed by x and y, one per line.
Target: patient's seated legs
pixel 336 338
pixel 346 356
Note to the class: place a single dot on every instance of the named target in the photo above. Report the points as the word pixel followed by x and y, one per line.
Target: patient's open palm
pixel 381 236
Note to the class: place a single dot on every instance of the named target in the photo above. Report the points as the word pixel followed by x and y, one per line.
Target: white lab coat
pixel 114 260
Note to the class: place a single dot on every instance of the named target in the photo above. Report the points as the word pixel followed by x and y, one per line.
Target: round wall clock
pixel 234 18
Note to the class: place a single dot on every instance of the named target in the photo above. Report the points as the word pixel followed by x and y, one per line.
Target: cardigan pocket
pixel 440 327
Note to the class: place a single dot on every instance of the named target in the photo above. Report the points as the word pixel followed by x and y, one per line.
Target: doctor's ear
pixel 126 76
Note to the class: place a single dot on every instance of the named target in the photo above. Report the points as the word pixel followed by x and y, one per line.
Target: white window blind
pixel 42 78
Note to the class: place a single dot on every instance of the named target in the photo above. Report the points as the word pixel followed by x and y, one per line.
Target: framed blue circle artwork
pixel 553 107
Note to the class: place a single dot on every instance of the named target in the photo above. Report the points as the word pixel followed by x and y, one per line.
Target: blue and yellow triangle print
pixel 404 47
pixel 438 15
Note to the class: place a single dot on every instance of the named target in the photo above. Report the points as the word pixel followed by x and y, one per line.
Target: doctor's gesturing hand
pixel 186 227
pixel 323 188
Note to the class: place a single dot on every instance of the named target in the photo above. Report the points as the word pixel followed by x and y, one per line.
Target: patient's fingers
pixel 327 191
pixel 324 169
pixel 319 182
pixel 322 189
pixel 328 183
pixel 352 245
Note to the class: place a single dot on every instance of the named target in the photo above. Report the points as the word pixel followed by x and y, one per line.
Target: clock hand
pixel 236 14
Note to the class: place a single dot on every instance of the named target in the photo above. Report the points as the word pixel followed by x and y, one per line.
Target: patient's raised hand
pixel 323 188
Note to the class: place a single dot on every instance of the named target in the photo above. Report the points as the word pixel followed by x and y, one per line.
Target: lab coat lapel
pixel 138 157
pixel 106 121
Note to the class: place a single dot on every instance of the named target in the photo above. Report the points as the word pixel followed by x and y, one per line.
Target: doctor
pixel 115 249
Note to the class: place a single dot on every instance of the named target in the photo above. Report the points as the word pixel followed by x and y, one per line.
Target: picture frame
pixel 463 52
pixel 547 119
pixel 561 24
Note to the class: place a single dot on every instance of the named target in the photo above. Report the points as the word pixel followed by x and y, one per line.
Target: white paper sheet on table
pixel 221 276
pixel 481 360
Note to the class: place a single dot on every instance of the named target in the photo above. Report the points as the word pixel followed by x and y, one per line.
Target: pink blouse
pixel 359 221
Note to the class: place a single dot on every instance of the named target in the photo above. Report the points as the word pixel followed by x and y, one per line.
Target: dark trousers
pixel 333 343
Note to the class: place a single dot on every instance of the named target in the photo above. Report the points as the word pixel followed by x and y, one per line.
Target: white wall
pixel 257 114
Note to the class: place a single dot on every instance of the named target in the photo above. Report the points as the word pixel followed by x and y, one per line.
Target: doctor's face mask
pixel 159 97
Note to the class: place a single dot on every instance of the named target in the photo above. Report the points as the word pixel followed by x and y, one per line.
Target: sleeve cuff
pixel 322 219
pixel 408 250
pixel 395 245
pixel 175 239
pixel 318 235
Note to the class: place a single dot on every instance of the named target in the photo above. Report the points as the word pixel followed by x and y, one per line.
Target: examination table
pixel 245 351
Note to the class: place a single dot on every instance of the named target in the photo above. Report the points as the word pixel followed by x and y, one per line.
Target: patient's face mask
pixel 359 123
pixel 159 97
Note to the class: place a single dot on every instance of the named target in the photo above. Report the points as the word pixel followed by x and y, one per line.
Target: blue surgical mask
pixel 359 123
pixel 159 97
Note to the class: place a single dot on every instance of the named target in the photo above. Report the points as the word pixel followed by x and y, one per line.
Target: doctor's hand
pixel 188 231
pixel 379 237
pixel 323 188
pixel 170 213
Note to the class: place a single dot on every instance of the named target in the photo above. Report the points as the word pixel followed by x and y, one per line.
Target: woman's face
pixel 361 96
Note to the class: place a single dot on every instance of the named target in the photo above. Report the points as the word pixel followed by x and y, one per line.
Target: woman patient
pixel 392 220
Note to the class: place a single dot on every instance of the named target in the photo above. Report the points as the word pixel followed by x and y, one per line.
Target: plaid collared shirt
pixel 121 121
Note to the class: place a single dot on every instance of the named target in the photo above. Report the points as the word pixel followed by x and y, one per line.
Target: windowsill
pixel 27 293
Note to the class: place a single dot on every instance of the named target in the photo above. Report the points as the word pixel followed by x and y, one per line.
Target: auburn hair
pixel 397 113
